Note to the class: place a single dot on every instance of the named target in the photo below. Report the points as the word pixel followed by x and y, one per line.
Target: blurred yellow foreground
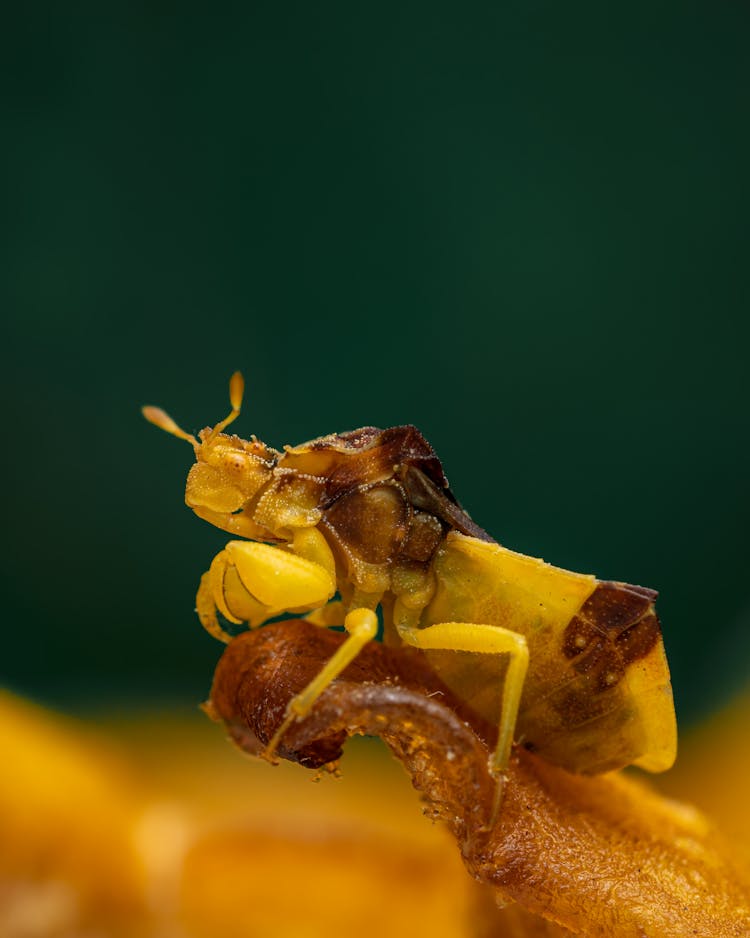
pixel 159 828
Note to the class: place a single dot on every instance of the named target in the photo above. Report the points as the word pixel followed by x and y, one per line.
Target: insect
pixel 570 666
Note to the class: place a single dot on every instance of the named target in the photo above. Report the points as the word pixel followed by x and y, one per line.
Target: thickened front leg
pixel 250 582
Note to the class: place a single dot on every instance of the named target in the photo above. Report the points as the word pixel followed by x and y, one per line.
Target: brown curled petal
pixel 602 856
pixel 382 693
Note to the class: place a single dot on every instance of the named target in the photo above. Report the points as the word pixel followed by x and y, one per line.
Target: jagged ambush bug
pixel 570 666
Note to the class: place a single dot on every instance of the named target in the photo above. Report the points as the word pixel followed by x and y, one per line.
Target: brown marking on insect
pixel 613 628
pixel 580 636
pixel 372 521
pixel 371 454
pixel 423 538
pixel 638 640
pixel 579 707
pixel 380 457
pixel 616 605
pixel 423 493
pixel 373 528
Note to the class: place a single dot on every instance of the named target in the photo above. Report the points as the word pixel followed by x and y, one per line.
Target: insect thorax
pixel 380 498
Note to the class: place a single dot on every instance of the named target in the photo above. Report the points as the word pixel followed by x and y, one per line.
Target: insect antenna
pixel 161 419
pixel 236 393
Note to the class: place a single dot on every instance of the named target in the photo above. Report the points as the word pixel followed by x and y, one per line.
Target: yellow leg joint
pixel 362 626
pixel 490 640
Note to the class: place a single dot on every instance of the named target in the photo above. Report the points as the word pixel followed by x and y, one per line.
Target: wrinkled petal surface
pixel 602 856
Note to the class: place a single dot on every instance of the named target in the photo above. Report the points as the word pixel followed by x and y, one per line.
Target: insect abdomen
pixel 597 695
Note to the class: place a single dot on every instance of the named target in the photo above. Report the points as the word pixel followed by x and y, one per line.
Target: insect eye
pixel 229 460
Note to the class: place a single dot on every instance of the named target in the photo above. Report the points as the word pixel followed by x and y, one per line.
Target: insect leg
pixel 484 639
pixel 362 626
pixel 328 616
pixel 250 582
pixel 205 606
pixel 279 578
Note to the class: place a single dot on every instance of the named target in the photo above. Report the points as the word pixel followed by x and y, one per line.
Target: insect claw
pixel 497 801
pixel 269 753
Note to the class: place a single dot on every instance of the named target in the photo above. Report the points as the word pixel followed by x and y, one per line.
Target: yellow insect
pixel 570 666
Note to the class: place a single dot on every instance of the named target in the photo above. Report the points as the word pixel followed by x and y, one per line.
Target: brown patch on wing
pixel 579 707
pixel 616 626
pixel 637 641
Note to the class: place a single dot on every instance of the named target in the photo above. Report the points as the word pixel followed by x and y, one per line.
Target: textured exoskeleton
pixel 570 666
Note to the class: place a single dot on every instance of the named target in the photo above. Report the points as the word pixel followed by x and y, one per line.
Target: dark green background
pixel 522 227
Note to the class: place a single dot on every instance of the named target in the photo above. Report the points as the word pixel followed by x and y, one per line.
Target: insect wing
pixel 597 695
